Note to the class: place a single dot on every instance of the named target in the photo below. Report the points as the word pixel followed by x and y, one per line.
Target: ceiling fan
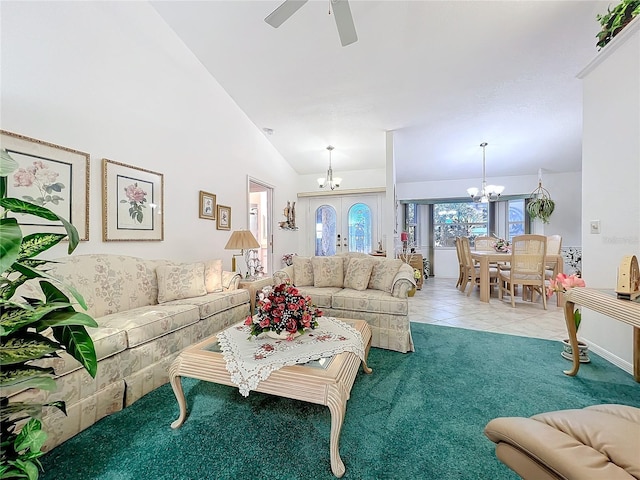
pixel 341 13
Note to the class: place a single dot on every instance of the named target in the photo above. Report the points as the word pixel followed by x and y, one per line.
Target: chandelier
pixel 488 193
pixel 329 181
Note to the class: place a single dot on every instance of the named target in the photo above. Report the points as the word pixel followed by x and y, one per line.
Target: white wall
pixel 611 180
pixel 113 80
pixel 350 179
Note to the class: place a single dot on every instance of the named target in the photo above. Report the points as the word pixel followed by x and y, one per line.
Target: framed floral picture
pixel 132 203
pixel 223 220
pixel 207 205
pixel 51 176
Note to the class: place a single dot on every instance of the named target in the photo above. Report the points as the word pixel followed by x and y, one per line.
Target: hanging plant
pixel 615 20
pixel 540 204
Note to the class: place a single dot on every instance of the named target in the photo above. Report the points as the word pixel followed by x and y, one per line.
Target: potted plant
pixel 540 204
pixel 561 283
pixel 615 20
pixel 24 327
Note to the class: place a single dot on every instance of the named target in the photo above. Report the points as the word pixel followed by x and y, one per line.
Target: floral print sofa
pixel 359 286
pixel 147 312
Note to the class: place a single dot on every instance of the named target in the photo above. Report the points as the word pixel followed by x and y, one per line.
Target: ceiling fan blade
pixel 344 22
pixel 283 12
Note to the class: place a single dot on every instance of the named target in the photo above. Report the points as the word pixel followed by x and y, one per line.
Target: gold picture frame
pixel 51 176
pixel 207 208
pixel 223 220
pixel 132 203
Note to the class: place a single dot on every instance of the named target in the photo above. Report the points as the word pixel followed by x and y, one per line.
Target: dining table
pixel 486 257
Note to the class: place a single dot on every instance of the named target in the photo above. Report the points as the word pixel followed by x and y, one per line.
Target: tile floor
pixel 441 303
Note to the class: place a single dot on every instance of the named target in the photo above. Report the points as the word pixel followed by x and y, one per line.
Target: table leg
pixel 559 268
pixel 337 403
pixel 484 279
pixel 573 338
pixel 636 353
pixel 176 384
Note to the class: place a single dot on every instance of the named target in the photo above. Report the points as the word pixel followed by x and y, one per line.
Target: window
pixel 516 218
pixel 451 220
pixel 411 222
pixel 326 236
pixel 360 237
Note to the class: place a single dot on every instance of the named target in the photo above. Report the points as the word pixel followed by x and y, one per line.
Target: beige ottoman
pixel 597 442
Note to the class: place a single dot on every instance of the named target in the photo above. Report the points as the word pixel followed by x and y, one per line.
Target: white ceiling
pixel 443 75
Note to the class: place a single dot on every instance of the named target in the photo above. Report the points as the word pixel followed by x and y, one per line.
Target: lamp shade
pixel 404 237
pixel 241 240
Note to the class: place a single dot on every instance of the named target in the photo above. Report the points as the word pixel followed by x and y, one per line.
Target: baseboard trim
pixel 611 358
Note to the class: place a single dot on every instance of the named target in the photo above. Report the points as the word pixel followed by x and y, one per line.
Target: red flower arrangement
pixel 283 309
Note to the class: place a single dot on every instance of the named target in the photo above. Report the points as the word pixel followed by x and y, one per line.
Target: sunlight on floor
pixel 441 303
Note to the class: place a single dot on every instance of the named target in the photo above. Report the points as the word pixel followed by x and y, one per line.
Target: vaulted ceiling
pixel 444 76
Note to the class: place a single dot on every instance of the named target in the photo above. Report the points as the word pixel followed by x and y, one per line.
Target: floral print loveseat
pixel 147 312
pixel 359 286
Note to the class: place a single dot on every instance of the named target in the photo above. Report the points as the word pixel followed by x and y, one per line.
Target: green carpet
pixel 418 416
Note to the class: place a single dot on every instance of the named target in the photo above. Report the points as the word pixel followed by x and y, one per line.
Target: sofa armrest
pixel 230 280
pixel 403 281
pixel 284 275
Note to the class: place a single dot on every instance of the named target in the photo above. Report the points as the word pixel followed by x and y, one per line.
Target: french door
pixel 348 223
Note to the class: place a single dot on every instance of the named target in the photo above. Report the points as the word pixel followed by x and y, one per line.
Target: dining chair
pixel 484 243
pixel 472 271
pixel 527 267
pixel 461 263
pixel 554 247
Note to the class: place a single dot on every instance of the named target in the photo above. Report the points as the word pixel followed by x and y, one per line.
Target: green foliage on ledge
pixel 615 20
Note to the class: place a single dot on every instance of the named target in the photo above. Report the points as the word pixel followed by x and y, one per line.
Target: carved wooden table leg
pixel 337 403
pixel 176 384
pixel 573 337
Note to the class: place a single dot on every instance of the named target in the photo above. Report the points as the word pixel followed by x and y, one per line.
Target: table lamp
pixel 240 240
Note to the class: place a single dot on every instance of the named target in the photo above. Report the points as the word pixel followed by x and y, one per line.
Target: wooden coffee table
pixel 326 383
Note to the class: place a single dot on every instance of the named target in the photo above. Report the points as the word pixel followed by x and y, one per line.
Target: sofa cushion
pixel 215 302
pixel 108 283
pixel 180 281
pixel 302 271
pixel 213 275
pixel 358 273
pixel 320 297
pixel 371 301
pixel 148 323
pixel 383 273
pixel 327 271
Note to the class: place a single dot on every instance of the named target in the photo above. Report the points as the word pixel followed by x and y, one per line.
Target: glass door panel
pixel 345 223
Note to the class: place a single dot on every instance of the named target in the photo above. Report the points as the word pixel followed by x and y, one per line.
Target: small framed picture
pixel 207 205
pixel 223 220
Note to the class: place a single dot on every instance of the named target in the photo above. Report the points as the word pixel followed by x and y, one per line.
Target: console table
pixel 606 303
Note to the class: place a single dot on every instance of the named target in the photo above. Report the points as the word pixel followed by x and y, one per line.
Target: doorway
pixel 260 215
pixel 349 223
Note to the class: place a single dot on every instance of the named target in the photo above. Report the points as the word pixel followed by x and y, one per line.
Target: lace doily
pixel 251 360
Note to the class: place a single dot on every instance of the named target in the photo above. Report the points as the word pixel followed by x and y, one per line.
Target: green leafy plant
pixel 540 204
pixel 32 329
pixel 615 20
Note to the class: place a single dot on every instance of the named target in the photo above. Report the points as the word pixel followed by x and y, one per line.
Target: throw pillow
pixel 327 271
pixel 358 273
pixel 180 281
pixel 383 273
pixel 213 275
pixel 302 271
